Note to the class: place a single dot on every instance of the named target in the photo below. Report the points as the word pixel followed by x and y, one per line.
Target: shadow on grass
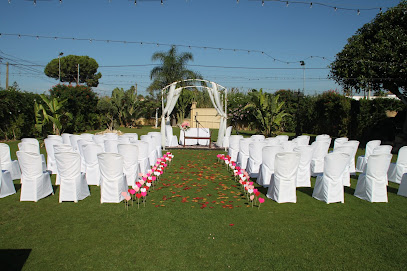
pixel 349 190
pixel 13 259
pixel 17 186
pixel 392 190
pixel 55 188
pixel 306 190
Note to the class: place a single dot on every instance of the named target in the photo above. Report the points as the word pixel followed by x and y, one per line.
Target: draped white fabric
pixel 372 185
pixel 6 184
pixel 113 182
pixel 130 162
pixel 172 97
pixel 267 166
pixel 92 170
pixel 7 164
pixel 362 159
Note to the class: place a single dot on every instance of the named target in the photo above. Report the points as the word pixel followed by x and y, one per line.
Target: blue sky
pixel 289 34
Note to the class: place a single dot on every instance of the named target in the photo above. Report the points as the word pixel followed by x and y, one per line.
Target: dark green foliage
pixel 81 103
pixel 376 56
pixel 17 113
pixel 69 70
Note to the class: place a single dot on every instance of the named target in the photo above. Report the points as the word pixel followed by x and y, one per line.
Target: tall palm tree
pixel 172 69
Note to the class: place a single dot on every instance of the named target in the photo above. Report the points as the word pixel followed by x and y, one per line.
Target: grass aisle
pixel 196 219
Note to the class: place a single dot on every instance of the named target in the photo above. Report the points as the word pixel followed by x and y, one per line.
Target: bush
pixel 81 103
pixel 17 113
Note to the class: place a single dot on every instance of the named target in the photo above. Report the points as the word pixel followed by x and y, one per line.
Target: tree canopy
pixel 172 69
pixel 69 70
pixel 376 56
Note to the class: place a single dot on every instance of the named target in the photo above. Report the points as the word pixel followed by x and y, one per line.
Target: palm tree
pixel 172 69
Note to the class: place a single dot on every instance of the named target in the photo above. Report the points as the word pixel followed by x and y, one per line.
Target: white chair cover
pixel 32 141
pixel 73 185
pixel 362 159
pixel 372 185
pixel 228 133
pixel 283 187
pixel 349 151
pixel 156 136
pixel 272 141
pixel 56 137
pixel 74 142
pixel 92 170
pixel 320 150
pixel 132 136
pixel 30 147
pixel 322 137
pixel 382 149
pixel 258 137
pixel 171 139
pixel 403 186
pixel 396 170
pixel 267 165
pixel 255 158
pixel 111 136
pixel 195 132
pixel 304 167
pixel 57 149
pixel 329 185
pixel 130 162
pixel 111 146
pixel 6 184
pixel 355 145
pixel 66 138
pixel 123 140
pixel 113 180
pixel 243 154
pixel 49 146
pixel 143 162
pixel 99 140
pixel 35 183
pixel 289 146
pixel 7 164
pixel 87 137
pixel 234 145
pixel 81 143
pixel 339 141
pixel 282 138
pixel 152 151
pixel 302 140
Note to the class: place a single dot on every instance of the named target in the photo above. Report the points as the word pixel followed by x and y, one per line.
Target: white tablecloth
pixel 196 132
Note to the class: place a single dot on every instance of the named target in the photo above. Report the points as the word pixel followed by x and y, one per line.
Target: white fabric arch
pixel 214 94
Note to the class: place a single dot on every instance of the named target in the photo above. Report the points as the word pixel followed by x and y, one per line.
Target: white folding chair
pixel 372 184
pixel 74 142
pixel 243 154
pixel 255 158
pixel 49 146
pixel 319 151
pixel 73 185
pixel 282 138
pixel 8 164
pixel 171 140
pixel 382 149
pixel 87 137
pixel 329 185
pixel 30 147
pixel 272 141
pixel 304 167
pixel 35 183
pixel 152 152
pixel 349 151
pixel 111 146
pixel 143 162
pixel 362 159
pixel 228 133
pixel 354 144
pixel 339 141
pixel 283 187
pixel 111 136
pixel 257 137
pixel 113 180
pixel 92 171
pixel 234 143
pixel 37 143
pixel 266 170
pixel 60 148
pixel 396 170
pixel 302 140
pixel 289 146
pixel 6 184
pixel 99 140
pixel 57 138
pixel 130 162
pixel 156 136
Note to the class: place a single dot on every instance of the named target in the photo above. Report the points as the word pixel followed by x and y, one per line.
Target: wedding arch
pixel 172 94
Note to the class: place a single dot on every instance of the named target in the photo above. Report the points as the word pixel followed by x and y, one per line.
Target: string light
pixel 358 12
pixel 262 3
pixel 310 5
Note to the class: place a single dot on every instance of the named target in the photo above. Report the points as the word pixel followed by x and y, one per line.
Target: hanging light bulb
pixel 38 37
pixel 60 1
pixel 135 2
pixel 262 3
pixel 335 8
pixel 358 12
pixel 162 3
pixel 9 1
pixel 380 10
pixel 237 1
pixel 35 2
pixel 310 5
pixel 286 4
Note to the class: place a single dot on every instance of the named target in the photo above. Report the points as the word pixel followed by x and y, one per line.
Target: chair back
pixel 32 141
pixel 382 149
pixel 74 141
pixel 62 148
pixel 130 161
pixel 289 146
pixel 334 166
pixel 87 137
pixel 377 167
pixel 66 138
pixel 123 140
pixel 286 166
pixel 272 141
pixel 56 137
pixel 5 153
pixel 234 142
pixel 142 149
pixel 30 164
pixel 28 147
pixel 90 152
pixel 269 154
pixel 302 140
pixel 339 141
pixel 111 146
pixel 111 136
pixel 111 166
pixel 256 151
pixel 282 138
pixel 320 149
pixel 69 165
pixel 257 137
pixel 402 157
pixel 228 131
pixel 370 146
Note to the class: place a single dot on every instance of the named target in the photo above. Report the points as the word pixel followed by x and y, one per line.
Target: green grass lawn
pixel 176 232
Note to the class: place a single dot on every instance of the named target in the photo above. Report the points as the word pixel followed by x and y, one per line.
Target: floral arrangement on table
pixel 241 176
pixel 184 126
pixel 146 181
